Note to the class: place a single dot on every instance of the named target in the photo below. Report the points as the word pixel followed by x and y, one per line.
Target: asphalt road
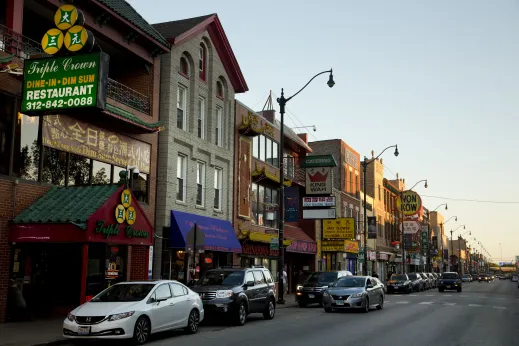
pixel 483 314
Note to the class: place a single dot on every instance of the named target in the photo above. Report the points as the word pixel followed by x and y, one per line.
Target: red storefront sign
pixel 258 250
pixel 302 246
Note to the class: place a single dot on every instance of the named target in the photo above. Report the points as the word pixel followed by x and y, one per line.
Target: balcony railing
pixel 129 97
pixel 15 43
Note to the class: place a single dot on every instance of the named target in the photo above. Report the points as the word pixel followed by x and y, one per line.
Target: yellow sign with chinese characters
pixel 333 246
pixel 76 38
pixel 65 17
pixel 342 228
pixel 124 212
pixel 120 214
pixel 52 41
pixel 77 137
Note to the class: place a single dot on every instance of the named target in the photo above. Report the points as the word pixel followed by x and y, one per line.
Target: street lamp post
pixel 460 237
pixel 402 223
pixel 365 164
pixel 452 248
pixel 441 231
pixel 429 241
pixel 282 101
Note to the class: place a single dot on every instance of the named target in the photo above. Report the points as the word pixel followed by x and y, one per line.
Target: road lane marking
pixel 447 295
pixel 464 296
pixel 426 303
pixel 402 302
pixel 475 305
pixel 449 304
pixel 429 295
pixel 499 307
pixel 412 295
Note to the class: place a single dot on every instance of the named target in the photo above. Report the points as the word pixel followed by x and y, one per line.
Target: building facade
pixel 256 196
pixel 63 173
pixel 438 242
pixel 199 79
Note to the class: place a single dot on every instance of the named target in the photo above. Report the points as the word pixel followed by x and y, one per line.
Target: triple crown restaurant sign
pixel 409 203
pixel 75 81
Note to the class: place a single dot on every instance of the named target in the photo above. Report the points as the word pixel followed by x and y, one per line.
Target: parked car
pixel 135 310
pixel 515 278
pixel 380 283
pixel 427 281
pixel 484 278
pixel 418 284
pixel 311 291
pixel 474 277
pixel 353 292
pixel 449 281
pixel 432 280
pixel 237 292
pixel 466 278
pixel 399 283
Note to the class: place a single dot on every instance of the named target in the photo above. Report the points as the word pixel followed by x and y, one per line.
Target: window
pixel 249 277
pixel 201 117
pixel 351 211
pixel 288 169
pixel 264 205
pixel 357 187
pixel 181 177
pixel 268 277
pixel 178 290
pixel 218 172
pixel 163 292
pixel 26 154
pixel 259 279
pixel 181 107
pixel 351 182
pixel 379 193
pixel 218 127
pixel 200 183
pixel 266 150
pixel 184 67
pixel 219 89
pixel 202 61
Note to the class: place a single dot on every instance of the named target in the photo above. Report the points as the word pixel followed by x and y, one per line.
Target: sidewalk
pixel 42 332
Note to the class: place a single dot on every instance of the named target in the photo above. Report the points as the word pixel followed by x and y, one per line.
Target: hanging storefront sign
pixel 409 203
pixel 302 246
pixel 77 137
pixel 411 227
pixel 341 228
pixel 319 181
pixel 292 204
pixel 372 227
pixel 328 201
pixel 259 250
pixel 425 238
pixel 319 214
pixel 62 83
pixel 333 246
pixel 314 161
pixel 351 246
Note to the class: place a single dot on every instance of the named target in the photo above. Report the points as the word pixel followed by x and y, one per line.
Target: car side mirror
pixel 249 283
pixel 369 286
pixel 161 299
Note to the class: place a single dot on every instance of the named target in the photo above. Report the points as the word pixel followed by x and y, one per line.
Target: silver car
pixel 354 292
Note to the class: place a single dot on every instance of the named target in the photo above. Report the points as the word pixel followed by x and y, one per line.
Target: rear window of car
pixel 449 276
pixel 268 276
pixel 413 276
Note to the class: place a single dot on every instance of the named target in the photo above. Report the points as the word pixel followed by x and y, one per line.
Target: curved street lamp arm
pixel 444 204
pixel 450 218
pixel 310 81
pixel 418 183
pixel 459 227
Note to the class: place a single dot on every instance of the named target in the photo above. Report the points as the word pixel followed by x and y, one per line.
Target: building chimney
pixel 303 136
pixel 270 115
pixel 381 161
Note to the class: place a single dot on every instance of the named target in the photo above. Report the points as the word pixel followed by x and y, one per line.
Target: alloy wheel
pixel 142 330
pixel 194 321
pixel 242 314
pixel 272 310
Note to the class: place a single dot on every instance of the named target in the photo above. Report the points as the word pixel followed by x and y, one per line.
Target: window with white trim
pixel 181 177
pixel 201 117
pixel 218 173
pixel 218 127
pixel 182 107
pixel 200 183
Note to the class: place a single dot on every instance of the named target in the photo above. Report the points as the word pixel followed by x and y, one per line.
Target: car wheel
pixel 380 306
pixel 328 309
pixel 459 290
pixel 141 331
pixel 193 322
pixel 241 314
pixel 366 306
pixel 270 311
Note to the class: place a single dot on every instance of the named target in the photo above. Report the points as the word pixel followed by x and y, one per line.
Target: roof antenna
pixel 268 104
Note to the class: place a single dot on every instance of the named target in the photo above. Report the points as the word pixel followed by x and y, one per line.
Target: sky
pixel 439 78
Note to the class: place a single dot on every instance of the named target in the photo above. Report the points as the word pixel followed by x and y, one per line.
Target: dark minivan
pixel 311 291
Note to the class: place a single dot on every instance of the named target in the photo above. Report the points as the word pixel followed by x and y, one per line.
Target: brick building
pixel 199 79
pixel 61 172
pixel 256 198
pixel 346 182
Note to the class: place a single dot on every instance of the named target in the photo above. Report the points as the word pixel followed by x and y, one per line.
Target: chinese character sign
pixel 73 136
pixel 342 228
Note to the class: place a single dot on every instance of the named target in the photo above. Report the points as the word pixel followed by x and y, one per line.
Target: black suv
pixel 399 283
pixel 312 290
pixel 449 281
pixel 237 292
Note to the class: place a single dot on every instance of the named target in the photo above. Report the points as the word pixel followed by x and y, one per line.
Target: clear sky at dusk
pixel 439 78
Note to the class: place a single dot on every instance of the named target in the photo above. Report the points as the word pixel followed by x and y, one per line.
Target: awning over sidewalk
pixel 100 213
pixel 211 234
pixel 301 243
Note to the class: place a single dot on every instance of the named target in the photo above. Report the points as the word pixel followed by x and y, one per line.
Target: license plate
pixel 83 330
pixel 449 286
pixel 339 302
pixel 311 296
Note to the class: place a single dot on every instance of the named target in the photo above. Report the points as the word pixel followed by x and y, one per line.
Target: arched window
pixel 219 89
pixel 202 61
pixel 184 69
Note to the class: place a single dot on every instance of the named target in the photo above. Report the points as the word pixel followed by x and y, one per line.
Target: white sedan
pixel 135 310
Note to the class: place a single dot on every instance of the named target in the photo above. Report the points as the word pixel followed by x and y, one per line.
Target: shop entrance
pixel 49 277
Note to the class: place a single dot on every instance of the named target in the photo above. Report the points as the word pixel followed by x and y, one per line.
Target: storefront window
pixel 140 187
pixel 54 165
pixel 6 131
pixel 106 266
pixel 79 170
pixel 26 149
pixel 254 203
pixel 117 177
pixel 101 173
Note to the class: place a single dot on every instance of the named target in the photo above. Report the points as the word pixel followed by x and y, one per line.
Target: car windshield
pixel 350 282
pixel 124 293
pixel 449 276
pixel 398 277
pixel 413 276
pixel 231 278
pixel 322 277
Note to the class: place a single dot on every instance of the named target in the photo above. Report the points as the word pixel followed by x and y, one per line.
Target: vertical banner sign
pixel 291 204
pixel 446 254
pixel 372 227
pixel 425 238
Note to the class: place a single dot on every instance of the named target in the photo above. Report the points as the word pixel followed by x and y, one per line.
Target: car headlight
pixel 357 295
pixel 71 317
pixel 120 316
pixel 299 288
pixel 326 294
pixel 224 294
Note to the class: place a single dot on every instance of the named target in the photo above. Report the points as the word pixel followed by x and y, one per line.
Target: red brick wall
pixel 138 262
pixel 26 194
